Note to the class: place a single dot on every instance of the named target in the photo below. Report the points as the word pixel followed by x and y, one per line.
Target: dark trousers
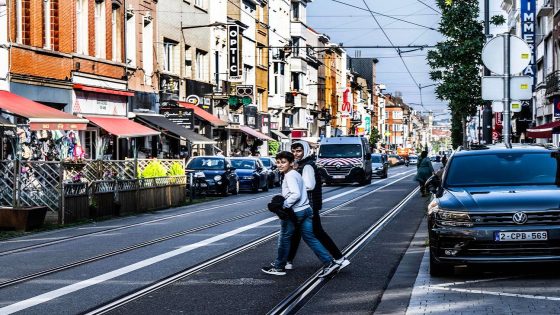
pixel 320 234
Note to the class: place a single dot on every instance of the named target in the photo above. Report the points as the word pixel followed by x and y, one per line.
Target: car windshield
pixel 340 151
pixel 203 163
pixel 375 159
pixel 266 162
pixel 243 164
pixel 508 169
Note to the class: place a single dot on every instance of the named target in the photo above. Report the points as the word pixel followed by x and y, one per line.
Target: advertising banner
pixel 234 53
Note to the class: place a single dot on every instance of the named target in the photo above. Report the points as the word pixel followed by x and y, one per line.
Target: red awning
pixel 544 131
pixel 102 90
pixel 254 133
pixel 122 127
pixel 41 117
pixel 202 114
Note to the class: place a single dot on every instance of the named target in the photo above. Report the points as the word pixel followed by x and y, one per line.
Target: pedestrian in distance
pixel 295 197
pixel 305 165
pixel 424 170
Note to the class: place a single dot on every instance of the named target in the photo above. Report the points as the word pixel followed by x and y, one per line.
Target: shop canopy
pixel 6 123
pixel 41 117
pixel 279 134
pixel 202 114
pixel 544 131
pixel 122 127
pixel 102 90
pixel 167 126
pixel 254 133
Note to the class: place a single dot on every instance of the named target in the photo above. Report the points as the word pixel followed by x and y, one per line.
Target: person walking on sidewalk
pixel 295 195
pixel 312 181
pixel 424 171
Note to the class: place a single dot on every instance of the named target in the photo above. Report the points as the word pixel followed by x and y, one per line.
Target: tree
pixel 456 62
pixel 374 137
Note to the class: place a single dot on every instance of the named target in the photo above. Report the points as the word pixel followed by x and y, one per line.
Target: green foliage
pixel 456 61
pixel 374 136
pixel 273 147
pixel 498 20
pixel 176 169
pixel 153 169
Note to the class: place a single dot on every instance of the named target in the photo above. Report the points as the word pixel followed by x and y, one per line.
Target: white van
pixel 344 160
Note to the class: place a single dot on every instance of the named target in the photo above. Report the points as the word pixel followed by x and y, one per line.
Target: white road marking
pixel 48 296
pixel 474 291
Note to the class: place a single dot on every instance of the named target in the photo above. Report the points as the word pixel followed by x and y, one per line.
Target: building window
pixel 295 10
pixel 130 38
pixel 296 84
pixel 261 14
pixel 148 49
pixel 115 35
pixel 47 24
pixel 295 44
pixel 82 27
pixel 188 62
pixel 200 65
pixel 169 48
pixel 260 56
pixel 200 3
pixel 23 20
pixel 100 30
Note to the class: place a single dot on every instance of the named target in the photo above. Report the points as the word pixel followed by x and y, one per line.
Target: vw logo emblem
pixel 520 217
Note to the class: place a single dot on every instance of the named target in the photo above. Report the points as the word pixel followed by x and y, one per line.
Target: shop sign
pixel 346 107
pixel 556 103
pixel 297 134
pixel 250 116
pixel 179 115
pixel 274 126
pixel 169 88
pixel 287 122
pixel 265 122
pixel 54 126
pixel 234 53
pixel 99 104
pixel 193 99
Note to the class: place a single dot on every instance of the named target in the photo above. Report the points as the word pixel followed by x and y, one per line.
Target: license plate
pixel 520 236
pixel 338 176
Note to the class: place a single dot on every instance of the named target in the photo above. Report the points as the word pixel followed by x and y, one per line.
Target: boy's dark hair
pixel 285 155
pixel 297 145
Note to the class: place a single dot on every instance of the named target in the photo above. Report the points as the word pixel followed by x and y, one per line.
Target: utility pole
pixel 487 108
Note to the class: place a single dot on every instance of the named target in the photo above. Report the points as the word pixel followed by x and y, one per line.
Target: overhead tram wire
pixel 384 15
pixel 431 8
pixel 391 42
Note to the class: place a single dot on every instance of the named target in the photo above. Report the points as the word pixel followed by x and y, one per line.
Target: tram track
pixel 294 300
pixel 82 262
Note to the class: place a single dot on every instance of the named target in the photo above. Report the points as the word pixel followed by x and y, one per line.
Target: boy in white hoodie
pixel 295 195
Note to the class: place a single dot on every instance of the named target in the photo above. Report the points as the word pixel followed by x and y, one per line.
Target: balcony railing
pixel 553 83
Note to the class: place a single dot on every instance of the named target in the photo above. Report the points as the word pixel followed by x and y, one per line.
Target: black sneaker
pixel 274 271
pixel 330 268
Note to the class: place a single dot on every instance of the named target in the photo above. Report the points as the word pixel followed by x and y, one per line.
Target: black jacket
pixel 316 195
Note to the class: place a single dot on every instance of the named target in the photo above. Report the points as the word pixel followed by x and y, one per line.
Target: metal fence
pixel 39 183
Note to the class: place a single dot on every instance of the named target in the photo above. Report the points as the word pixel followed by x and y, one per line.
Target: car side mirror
pixel 368 156
pixel 433 184
pixel 230 168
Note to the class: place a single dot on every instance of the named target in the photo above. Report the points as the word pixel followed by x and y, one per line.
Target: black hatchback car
pixel 220 176
pixel 495 205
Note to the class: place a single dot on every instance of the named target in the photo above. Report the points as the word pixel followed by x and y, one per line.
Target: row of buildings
pixel 166 78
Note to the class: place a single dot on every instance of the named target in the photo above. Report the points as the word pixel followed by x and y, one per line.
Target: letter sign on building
pixel 234 53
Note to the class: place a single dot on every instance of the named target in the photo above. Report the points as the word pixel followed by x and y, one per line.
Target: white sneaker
pixel 289 266
pixel 343 262
pixel 327 270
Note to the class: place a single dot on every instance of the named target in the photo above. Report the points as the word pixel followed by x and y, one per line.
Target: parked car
pixel 218 171
pixel 413 159
pixel 380 165
pixel 495 205
pixel 395 160
pixel 251 172
pixel 273 173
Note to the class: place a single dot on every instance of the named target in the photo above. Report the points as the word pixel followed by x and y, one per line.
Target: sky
pixel 356 27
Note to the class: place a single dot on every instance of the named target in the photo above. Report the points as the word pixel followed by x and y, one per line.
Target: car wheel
pixel 438 269
pixel 225 192
pixel 256 187
pixel 236 191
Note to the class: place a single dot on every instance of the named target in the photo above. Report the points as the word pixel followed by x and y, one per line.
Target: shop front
pixel 208 125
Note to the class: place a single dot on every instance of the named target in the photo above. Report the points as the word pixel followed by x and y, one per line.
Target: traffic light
pixel 234 102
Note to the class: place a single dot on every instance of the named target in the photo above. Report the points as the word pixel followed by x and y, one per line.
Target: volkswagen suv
pixel 495 205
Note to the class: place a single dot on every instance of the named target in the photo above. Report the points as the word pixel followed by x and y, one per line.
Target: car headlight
pixel 319 164
pixel 217 177
pixel 379 168
pixel 358 165
pixel 199 175
pixel 248 177
pixel 450 218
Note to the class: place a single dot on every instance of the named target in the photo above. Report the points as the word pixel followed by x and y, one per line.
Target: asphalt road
pixel 195 234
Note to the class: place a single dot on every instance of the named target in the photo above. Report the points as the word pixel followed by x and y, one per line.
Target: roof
pixel 342 140
pixel 41 117
pixel 501 148
pixel 254 133
pixel 167 126
pixel 122 127
pixel 204 115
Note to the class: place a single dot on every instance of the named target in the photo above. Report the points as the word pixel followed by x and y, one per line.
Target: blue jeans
pixel 306 225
